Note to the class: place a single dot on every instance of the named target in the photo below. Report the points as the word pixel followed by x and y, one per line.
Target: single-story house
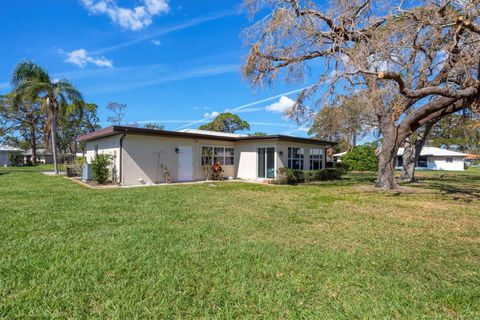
pixel 5 152
pixel 145 156
pixel 337 157
pixel 432 158
pixel 43 156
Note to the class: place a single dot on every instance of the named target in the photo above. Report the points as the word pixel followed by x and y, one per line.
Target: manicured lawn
pixel 237 250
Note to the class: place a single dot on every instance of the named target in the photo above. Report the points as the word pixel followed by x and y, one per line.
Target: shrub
pixel 100 168
pixel 341 166
pixel 75 168
pixel 216 171
pixel 329 174
pixel 361 158
pixel 289 176
pixel 15 158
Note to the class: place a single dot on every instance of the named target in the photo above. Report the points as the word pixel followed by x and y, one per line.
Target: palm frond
pixel 28 71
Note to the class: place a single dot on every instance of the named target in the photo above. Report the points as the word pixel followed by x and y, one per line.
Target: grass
pixel 235 250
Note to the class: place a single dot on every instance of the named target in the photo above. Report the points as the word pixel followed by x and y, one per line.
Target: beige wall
pixel 283 147
pixel 142 165
pixel 246 157
pixel 108 145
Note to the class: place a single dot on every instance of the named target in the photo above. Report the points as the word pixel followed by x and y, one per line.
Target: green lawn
pixel 236 250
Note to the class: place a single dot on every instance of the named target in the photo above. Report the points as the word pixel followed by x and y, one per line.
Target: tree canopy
pixel 226 122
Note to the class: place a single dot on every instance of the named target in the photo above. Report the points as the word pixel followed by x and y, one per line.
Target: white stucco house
pixel 141 156
pixel 432 158
pixel 5 151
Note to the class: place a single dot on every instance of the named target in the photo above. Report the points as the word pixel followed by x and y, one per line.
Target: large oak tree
pixel 418 61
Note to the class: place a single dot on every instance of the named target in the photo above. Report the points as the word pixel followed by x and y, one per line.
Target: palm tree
pixel 31 80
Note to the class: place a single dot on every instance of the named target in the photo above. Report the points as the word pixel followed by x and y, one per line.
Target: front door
pixel 266 163
pixel 185 163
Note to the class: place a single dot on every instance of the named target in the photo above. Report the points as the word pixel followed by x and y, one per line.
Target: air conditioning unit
pixel 87 172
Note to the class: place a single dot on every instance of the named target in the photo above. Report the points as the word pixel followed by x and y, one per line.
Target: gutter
pixel 120 171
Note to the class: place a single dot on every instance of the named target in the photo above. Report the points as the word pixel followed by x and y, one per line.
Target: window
pixel 224 155
pixel 316 159
pixel 422 162
pixel 399 161
pixel 295 158
pixel 449 160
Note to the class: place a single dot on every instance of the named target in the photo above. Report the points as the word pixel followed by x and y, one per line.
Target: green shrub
pixel 289 176
pixel 15 158
pixel 100 168
pixel 75 168
pixel 361 158
pixel 329 174
pixel 341 166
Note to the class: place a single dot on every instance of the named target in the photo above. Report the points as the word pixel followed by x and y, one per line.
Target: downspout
pixel 120 171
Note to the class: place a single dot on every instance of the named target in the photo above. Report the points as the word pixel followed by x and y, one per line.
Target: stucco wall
pixel 246 157
pixel 283 147
pixel 144 158
pixel 108 145
pixel 440 163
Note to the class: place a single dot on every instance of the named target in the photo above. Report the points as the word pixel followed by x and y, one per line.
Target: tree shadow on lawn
pixel 457 187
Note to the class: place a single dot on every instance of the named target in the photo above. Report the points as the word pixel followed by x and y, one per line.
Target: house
pixel 43 156
pixel 472 160
pixel 337 157
pixel 146 156
pixel 432 158
pixel 5 152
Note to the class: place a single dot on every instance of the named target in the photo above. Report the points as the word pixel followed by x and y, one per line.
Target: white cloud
pixel 135 18
pixel 212 114
pixel 282 105
pixel 156 42
pixel 81 58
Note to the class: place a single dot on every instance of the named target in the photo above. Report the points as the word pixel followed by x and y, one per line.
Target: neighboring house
pixel 472 160
pixel 43 156
pixel 337 157
pixel 432 158
pixel 5 151
pixel 142 156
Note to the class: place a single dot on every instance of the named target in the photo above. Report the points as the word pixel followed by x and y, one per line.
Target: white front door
pixel 185 163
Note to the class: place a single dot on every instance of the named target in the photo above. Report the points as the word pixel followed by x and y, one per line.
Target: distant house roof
pixel 472 157
pixel 200 134
pixel 341 154
pixel 4 147
pixel 433 151
pixel 214 133
pixel 40 152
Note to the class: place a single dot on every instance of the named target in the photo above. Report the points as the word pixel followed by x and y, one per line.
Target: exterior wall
pixel 4 159
pixel 440 163
pixel 144 158
pixel 107 145
pixel 283 147
pixel 246 157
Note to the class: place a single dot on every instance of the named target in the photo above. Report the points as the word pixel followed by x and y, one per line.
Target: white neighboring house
pixel 4 153
pixel 337 157
pixel 432 158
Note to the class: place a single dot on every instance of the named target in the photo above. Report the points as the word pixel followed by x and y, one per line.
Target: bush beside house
pixel 101 168
pixel 15 158
pixel 361 158
pixel 292 177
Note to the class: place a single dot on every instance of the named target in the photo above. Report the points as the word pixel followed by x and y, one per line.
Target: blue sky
pixel 173 62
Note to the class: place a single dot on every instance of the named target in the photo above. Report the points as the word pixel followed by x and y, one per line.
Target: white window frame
pixel 449 160
pixel 274 160
pixel 212 157
pixel 301 159
pixel 319 159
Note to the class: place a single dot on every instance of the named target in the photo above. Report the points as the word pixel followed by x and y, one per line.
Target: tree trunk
pixel 387 154
pixel 54 140
pixel 412 151
pixel 33 144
